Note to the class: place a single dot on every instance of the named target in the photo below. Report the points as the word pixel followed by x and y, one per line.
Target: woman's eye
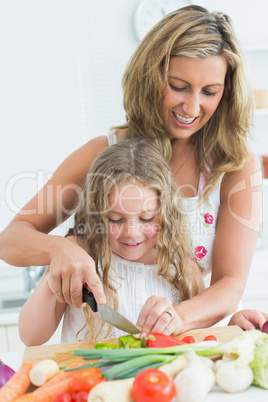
pixel 178 89
pixel 209 93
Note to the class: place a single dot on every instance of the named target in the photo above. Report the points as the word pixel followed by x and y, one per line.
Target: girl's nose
pixel 132 227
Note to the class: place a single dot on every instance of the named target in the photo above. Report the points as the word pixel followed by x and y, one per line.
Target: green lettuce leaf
pixel 260 365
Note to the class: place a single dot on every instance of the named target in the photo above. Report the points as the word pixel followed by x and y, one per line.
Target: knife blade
pixel 108 314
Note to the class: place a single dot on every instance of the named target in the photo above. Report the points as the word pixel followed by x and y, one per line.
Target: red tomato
pixel 85 379
pixel 81 396
pixel 63 397
pixel 153 385
pixel 211 338
pixel 189 339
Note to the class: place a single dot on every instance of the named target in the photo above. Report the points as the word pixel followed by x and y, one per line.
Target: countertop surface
pixel 14 360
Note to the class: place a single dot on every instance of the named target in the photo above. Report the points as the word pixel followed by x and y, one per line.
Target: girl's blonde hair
pixel 139 162
pixel 193 32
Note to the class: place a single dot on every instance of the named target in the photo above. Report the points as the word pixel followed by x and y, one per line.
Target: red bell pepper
pixel 158 340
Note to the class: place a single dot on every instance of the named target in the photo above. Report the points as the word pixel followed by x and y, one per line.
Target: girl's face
pixel 133 222
pixel 195 89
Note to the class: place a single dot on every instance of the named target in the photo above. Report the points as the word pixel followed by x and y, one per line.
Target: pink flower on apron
pixel 200 253
pixel 208 218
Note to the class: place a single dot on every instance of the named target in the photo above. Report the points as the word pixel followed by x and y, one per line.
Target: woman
pixel 185 89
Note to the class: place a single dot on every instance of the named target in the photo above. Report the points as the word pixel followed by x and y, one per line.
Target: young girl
pixel 129 220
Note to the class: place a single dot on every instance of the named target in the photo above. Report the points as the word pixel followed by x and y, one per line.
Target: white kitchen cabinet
pixel 10 340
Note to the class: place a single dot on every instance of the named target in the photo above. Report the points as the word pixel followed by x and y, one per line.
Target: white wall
pixel 60 79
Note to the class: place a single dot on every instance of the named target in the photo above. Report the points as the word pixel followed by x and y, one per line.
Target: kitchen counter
pixel 14 360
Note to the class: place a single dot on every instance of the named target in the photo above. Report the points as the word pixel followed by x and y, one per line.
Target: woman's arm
pixel 26 242
pixel 249 319
pixel 40 316
pixel 236 235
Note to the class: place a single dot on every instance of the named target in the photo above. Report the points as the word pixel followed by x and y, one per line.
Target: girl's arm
pixel 26 241
pixel 236 235
pixel 40 315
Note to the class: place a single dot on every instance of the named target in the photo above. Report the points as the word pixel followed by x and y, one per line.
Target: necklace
pixel 184 161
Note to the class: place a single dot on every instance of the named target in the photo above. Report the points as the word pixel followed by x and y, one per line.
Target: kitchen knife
pixel 108 314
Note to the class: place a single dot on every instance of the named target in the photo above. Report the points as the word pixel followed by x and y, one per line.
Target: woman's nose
pixel 191 105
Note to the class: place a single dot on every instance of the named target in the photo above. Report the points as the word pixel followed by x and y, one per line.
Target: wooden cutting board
pixel 62 353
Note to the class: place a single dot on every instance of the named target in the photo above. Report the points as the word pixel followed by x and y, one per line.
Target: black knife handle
pixel 89 298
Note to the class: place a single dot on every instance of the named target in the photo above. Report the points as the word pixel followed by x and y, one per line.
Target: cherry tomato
pixel 63 397
pixel 211 338
pixel 81 396
pixel 85 379
pixel 153 385
pixel 189 339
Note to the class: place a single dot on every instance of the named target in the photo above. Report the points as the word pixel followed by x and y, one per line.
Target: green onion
pixel 128 362
pixel 133 373
pixel 93 353
pixel 134 364
pixel 200 348
pixel 100 363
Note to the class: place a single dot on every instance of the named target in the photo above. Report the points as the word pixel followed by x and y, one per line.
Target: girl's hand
pixel 249 319
pixel 70 268
pixel 158 315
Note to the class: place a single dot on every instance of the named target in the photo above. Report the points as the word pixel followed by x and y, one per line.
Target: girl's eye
pixel 115 221
pixel 209 93
pixel 147 220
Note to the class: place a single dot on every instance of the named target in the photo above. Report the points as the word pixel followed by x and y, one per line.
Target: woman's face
pixel 195 88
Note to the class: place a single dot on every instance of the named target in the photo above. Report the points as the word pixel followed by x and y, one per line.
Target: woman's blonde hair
pixel 193 32
pixel 139 162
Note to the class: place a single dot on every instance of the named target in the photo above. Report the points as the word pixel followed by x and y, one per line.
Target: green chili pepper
pixel 128 342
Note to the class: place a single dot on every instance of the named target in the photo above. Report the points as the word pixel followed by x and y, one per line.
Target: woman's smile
pixel 184 121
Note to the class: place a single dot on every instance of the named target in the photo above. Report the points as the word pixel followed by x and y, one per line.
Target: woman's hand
pixel 249 319
pixel 70 268
pixel 158 315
